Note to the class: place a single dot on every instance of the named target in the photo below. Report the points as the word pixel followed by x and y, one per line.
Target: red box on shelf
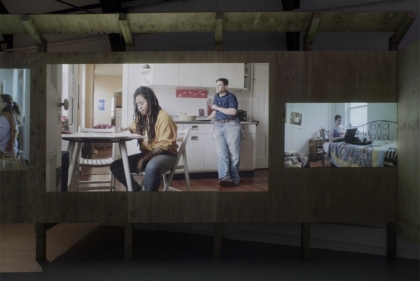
pixel 188 93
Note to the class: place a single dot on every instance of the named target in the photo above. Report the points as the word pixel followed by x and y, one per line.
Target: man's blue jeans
pixel 228 146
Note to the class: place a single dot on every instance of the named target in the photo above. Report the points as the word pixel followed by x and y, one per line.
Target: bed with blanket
pixel 379 152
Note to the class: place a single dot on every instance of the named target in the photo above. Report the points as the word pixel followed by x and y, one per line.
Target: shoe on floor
pixel 226 183
pixel 136 187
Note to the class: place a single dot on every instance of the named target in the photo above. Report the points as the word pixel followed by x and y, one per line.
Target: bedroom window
pixel 357 113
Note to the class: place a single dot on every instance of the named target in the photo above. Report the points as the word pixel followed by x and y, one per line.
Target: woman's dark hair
pixel 336 117
pixel 146 123
pixel 224 81
pixel 11 107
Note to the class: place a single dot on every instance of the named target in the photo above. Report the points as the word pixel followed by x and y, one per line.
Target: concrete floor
pixel 96 252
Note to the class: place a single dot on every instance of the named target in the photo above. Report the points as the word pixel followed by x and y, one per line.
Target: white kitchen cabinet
pixel 209 73
pixel 172 74
pixel 146 77
pixel 195 155
pixel 235 73
pixel 201 148
pixel 248 128
pixel 189 74
pixel 210 154
pixel 158 74
pixel 247 152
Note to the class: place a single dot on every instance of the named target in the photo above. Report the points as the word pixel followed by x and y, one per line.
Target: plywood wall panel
pixel 408 142
pixel 103 207
pixel 352 77
pixel 172 207
pixel 301 195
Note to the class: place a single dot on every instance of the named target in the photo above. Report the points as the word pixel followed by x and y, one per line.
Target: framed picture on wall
pixel 296 119
pixel 101 105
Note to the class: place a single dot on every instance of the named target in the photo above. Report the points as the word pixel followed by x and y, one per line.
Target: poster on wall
pixel 296 119
pixel 101 105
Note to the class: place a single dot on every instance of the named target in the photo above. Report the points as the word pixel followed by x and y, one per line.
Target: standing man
pixel 227 134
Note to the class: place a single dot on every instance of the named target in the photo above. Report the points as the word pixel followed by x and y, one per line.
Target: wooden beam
pixel 401 30
pixel 310 31
pixel 128 241
pixel 391 240
pixel 217 240
pixel 34 32
pixel 41 240
pixel 305 240
pixel 126 32
pixel 218 36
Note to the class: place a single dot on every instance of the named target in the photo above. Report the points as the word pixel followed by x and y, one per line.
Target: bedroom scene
pixel 340 135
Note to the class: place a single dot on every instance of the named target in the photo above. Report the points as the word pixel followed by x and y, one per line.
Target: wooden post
pixel 218 36
pixel 305 240
pixel 128 240
pixel 391 240
pixel 217 240
pixel 32 29
pixel 310 31
pixel 41 240
pixel 401 30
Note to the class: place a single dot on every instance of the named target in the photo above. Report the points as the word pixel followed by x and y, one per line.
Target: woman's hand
pixel 122 129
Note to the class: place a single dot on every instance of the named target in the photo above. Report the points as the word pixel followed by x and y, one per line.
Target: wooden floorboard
pixel 256 183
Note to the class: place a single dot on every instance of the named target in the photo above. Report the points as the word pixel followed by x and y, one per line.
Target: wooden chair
pixel 182 138
pixel 96 163
pixel 10 158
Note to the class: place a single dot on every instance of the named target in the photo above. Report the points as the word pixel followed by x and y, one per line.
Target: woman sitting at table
pixel 9 120
pixel 338 130
pixel 158 148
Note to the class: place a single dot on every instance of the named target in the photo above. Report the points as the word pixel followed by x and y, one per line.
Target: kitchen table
pixel 75 147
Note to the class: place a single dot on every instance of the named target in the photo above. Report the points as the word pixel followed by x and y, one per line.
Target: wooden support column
pixel 34 32
pixel 126 32
pixel 217 240
pixel 41 240
pixel 128 241
pixel 305 240
pixel 219 32
pixel 391 240
pixel 310 31
pixel 401 30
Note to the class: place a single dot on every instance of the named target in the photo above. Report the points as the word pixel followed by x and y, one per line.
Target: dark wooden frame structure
pixel 295 195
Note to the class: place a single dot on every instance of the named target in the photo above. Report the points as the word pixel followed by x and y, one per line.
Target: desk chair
pixel 182 138
pixel 96 163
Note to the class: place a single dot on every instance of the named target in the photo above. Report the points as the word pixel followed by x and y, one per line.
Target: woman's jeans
pixel 158 165
pixel 228 146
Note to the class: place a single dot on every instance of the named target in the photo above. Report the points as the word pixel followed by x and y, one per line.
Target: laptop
pixel 350 133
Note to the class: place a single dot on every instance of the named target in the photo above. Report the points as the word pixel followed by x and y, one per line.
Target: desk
pixel 75 147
